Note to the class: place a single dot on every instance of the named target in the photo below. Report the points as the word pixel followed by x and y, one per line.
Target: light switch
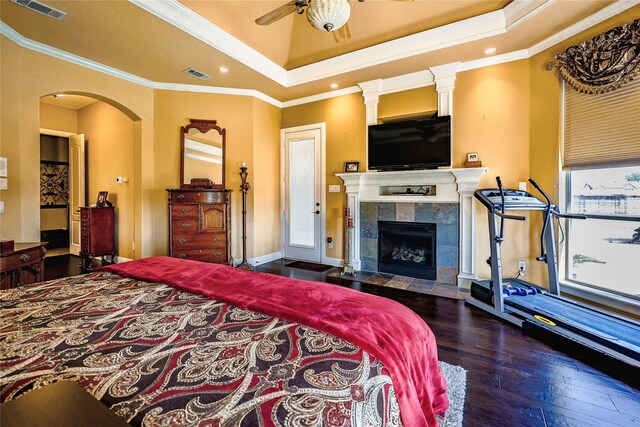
pixel 1 207
pixel 334 189
pixel 3 183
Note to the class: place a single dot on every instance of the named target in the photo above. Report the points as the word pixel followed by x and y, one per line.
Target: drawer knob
pixel 24 257
pixel 182 256
pixel 185 210
pixel 185 225
pixel 217 197
pixel 217 240
pixel 217 255
pixel 182 241
pixel 180 196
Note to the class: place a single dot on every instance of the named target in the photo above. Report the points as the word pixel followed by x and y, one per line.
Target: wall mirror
pixel 202 154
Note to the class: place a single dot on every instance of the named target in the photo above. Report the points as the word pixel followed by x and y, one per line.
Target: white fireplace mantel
pixel 452 186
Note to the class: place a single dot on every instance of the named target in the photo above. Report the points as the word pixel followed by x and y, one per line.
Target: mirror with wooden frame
pixel 202 154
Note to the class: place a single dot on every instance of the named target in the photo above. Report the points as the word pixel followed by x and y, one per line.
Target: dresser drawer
pixel 13 262
pixel 206 255
pixel 195 241
pixel 208 197
pixel 184 211
pixel 185 225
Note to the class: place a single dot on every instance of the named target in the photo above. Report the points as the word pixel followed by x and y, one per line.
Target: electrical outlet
pixel 330 242
pixel 522 266
pixel 522 186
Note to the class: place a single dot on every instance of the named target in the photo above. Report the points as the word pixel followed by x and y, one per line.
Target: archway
pixel 111 132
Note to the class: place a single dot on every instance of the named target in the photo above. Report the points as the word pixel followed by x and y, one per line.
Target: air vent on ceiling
pixel 196 73
pixel 41 8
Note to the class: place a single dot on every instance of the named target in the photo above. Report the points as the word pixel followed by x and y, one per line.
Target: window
pixel 603 252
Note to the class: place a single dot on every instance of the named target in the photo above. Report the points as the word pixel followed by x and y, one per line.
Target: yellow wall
pixel 345 123
pixel 264 178
pixel 408 102
pixel 247 139
pixel 28 75
pixel 491 118
pixel 58 118
pixel 109 140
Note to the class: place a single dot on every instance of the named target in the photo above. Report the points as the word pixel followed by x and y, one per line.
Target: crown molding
pixel 183 18
pixel 20 40
pixel 598 17
pixel 520 11
pixel 219 91
pixel 321 96
pixel 389 85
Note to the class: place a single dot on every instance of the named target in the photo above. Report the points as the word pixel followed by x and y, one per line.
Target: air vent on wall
pixel 196 73
pixel 41 8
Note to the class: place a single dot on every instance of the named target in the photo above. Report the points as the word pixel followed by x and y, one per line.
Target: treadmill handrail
pixel 506 216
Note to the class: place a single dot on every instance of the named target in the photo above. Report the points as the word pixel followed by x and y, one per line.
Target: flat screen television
pixel 411 144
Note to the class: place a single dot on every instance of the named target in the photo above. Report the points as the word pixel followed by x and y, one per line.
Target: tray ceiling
pixel 156 40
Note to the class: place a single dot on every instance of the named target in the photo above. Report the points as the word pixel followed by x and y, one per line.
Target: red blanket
pixel 384 328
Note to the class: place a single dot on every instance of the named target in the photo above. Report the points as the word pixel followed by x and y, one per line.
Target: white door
pixel 76 189
pixel 303 197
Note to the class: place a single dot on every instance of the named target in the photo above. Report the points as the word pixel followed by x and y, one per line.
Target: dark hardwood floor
pixel 513 378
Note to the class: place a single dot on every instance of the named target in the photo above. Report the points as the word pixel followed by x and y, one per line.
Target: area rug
pixel 312 266
pixel 456 378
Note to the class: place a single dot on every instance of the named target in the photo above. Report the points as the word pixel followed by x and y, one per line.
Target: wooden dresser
pixel 200 225
pixel 97 234
pixel 23 265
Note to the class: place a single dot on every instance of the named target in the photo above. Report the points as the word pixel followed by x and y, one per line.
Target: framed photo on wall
pixel 352 166
pixel 102 199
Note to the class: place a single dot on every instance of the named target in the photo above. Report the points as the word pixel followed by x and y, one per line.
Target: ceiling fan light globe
pixel 328 15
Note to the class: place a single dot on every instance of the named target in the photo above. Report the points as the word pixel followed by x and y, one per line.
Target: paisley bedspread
pixel 160 356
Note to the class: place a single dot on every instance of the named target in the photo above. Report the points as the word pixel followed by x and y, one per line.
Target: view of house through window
pixel 605 253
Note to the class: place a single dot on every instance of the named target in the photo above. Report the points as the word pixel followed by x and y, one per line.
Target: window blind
pixel 601 130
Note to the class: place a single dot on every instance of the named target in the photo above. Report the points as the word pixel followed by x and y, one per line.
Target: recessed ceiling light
pixel 334 85
pixel 223 69
pixel 490 50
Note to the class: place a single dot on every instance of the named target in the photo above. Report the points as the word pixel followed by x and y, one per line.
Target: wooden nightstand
pixel 23 265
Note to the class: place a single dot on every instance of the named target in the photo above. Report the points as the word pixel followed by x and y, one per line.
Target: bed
pixel 163 341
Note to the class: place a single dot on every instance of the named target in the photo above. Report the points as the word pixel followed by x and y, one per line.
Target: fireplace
pixel 407 248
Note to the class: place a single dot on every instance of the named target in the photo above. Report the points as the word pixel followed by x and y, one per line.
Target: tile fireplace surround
pixel 452 205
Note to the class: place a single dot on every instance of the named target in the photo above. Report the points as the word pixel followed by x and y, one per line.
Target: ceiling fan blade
pixel 342 34
pixel 278 13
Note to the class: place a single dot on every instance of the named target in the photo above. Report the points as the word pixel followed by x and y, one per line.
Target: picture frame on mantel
pixel 352 166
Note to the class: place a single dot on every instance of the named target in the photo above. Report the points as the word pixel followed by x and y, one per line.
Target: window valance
pixel 605 62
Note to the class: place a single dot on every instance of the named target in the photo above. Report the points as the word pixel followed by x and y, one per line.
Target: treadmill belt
pixel 565 311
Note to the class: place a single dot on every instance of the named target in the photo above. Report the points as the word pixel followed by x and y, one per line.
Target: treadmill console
pixel 513 199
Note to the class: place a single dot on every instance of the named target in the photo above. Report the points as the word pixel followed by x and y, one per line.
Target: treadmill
pixel 526 305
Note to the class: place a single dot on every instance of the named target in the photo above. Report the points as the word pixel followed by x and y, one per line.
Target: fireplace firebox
pixel 407 249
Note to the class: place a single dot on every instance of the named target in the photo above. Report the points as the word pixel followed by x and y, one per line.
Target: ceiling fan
pixel 325 15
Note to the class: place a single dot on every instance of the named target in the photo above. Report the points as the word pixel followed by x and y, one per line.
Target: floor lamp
pixel 244 188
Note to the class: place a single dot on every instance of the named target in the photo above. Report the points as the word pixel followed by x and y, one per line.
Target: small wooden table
pixel 64 403
pixel 24 265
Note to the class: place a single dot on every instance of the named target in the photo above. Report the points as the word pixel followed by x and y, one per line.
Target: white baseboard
pixel 263 258
pixel 336 262
pixel 120 259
